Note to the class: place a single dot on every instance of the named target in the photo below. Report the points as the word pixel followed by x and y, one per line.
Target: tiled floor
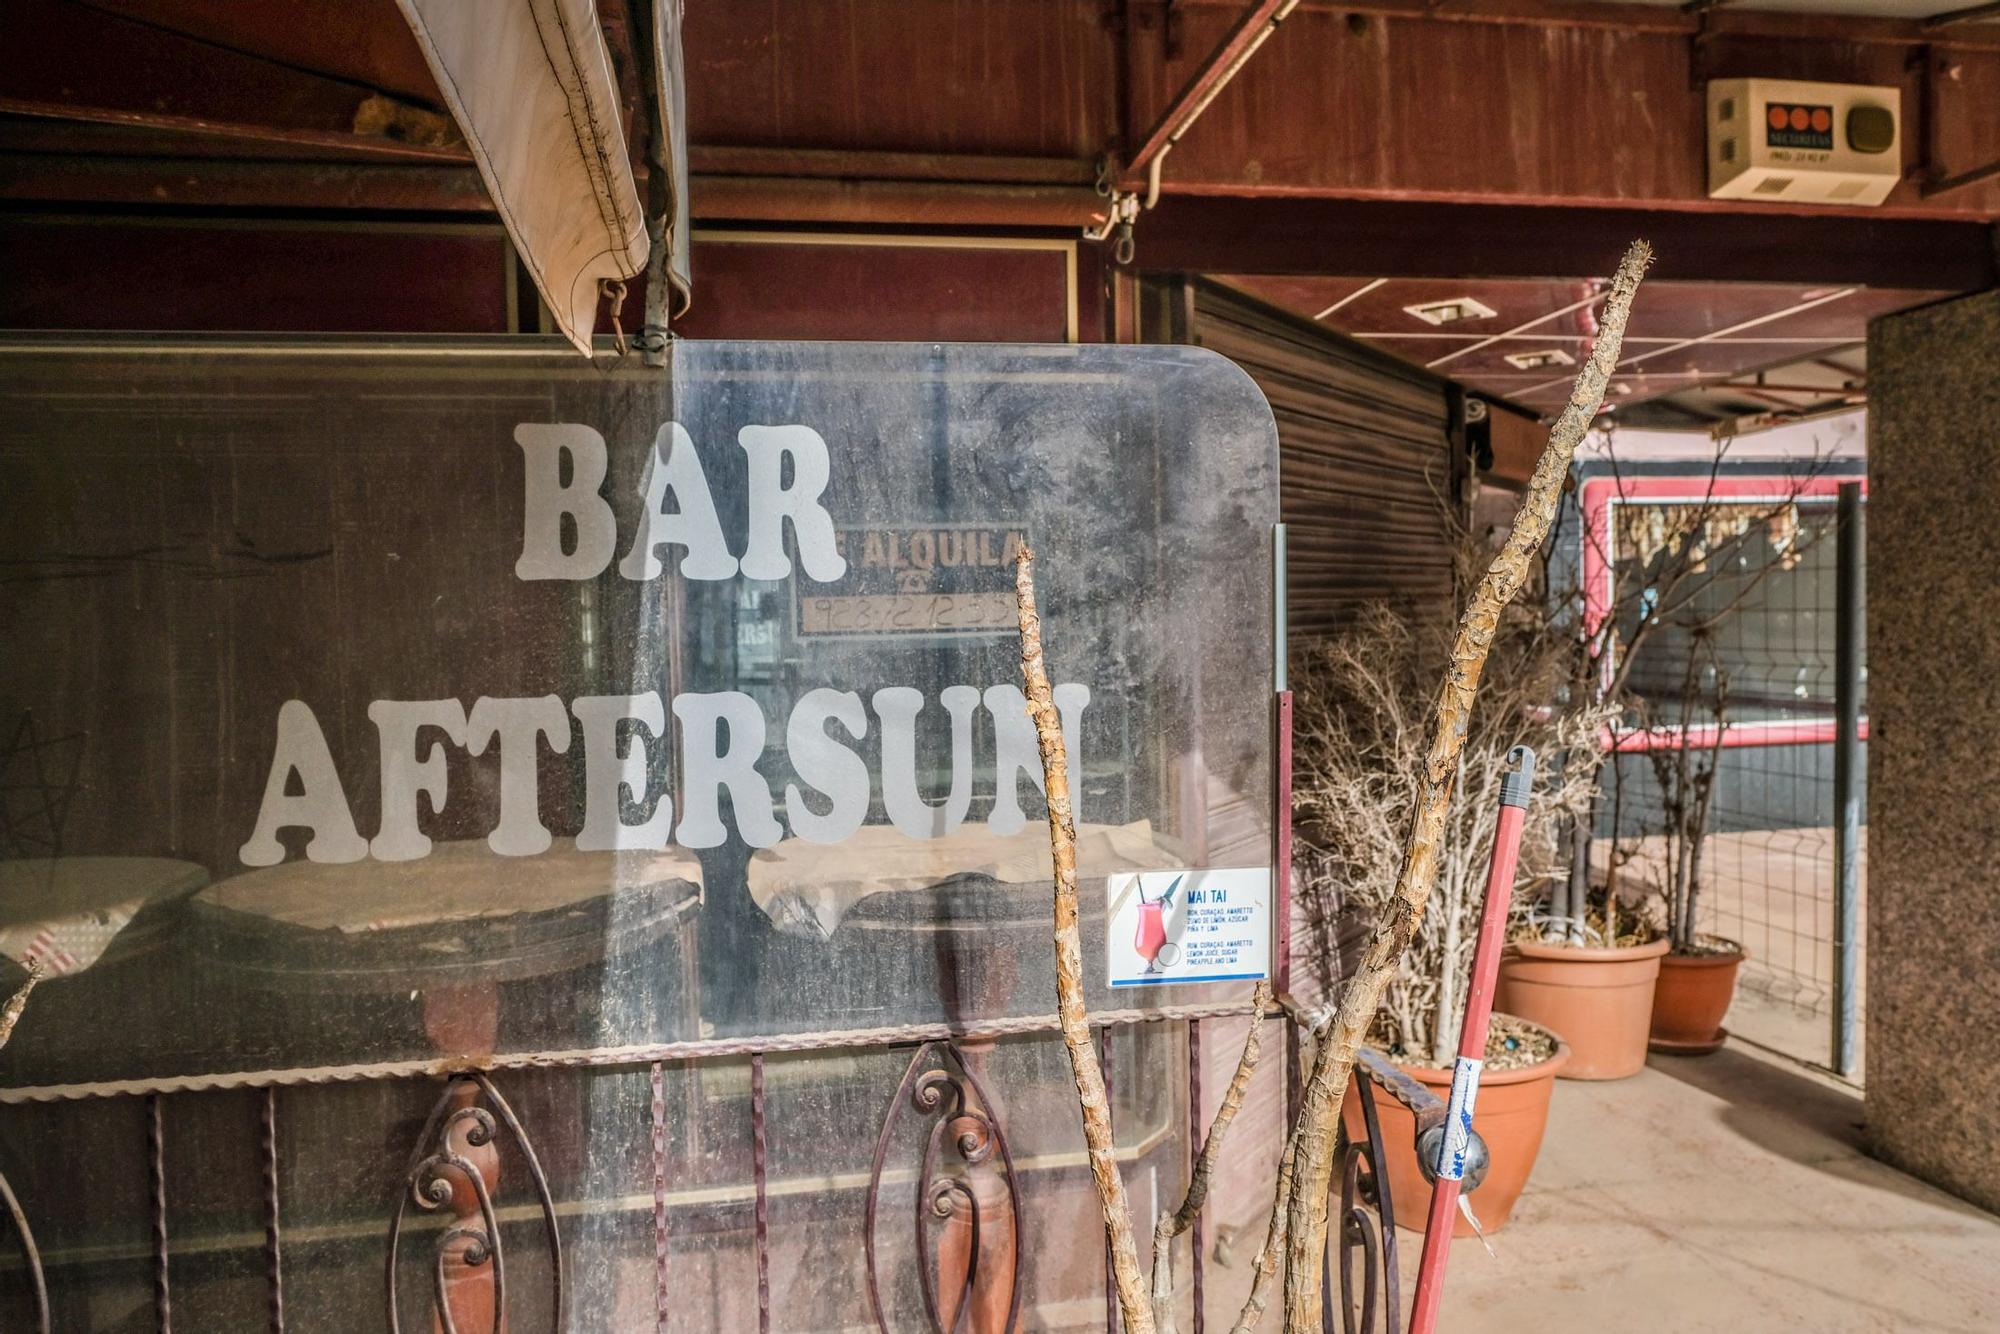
pixel 1773 891
pixel 1727 1193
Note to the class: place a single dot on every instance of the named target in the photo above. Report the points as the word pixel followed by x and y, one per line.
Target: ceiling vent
pixel 1803 143
pixel 1451 311
pixel 1539 360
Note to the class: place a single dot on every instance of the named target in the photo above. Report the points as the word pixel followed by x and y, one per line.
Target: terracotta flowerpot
pixel 1512 1111
pixel 1691 999
pixel 1599 1000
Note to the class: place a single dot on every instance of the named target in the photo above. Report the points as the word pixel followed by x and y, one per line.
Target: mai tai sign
pixel 387 704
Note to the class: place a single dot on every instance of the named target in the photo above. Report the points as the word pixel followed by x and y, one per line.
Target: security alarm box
pixel 1803 143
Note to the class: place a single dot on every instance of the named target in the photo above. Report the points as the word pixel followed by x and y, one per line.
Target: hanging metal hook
pixel 1122 211
pixel 614 292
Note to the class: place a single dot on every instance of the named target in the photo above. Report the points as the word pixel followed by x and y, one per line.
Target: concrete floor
pixel 1729 1193
pixel 1786 1028
pixel 1772 891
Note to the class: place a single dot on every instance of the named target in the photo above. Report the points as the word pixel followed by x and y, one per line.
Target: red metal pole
pixel 1281 785
pixel 1445 1189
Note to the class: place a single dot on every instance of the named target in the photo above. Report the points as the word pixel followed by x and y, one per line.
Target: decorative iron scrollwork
pixel 456 1164
pixel 37 1283
pixel 1367 1224
pixel 968 1204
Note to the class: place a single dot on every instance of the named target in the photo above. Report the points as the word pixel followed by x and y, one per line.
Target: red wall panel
pixel 1036 78
pixel 971 291
pixel 1387 106
pixel 252 277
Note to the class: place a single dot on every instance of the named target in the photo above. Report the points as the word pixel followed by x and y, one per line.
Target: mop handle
pixel 1454 1143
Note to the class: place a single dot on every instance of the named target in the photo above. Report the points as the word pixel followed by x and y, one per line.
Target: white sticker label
pixel 1188 926
pixel 1458 1119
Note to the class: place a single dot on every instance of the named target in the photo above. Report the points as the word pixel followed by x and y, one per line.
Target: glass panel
pixel 360 714
pixel 80 1173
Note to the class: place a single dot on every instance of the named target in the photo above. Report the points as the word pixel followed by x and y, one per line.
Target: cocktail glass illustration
pixel 1150 941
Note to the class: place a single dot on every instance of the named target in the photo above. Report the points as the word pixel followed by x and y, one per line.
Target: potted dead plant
pixel 1698 973
pixel 1362 697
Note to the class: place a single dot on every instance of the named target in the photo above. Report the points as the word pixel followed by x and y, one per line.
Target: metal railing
pixel 474 1176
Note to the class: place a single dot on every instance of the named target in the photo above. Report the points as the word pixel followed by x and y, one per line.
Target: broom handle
pixel 1445 1189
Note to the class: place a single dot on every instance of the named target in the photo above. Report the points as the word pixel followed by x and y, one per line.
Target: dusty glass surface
pixel 369 707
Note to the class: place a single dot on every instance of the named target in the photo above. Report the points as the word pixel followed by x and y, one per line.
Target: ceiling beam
pixel 196 134
pixel 1259 21
pixel 1816 390
pixel 210 183
pixel 1970 14
pixel 364 42
pixel 873 165
pixel 1945 185
pixel 1411 239
pixel 1723 18
pixel 788 199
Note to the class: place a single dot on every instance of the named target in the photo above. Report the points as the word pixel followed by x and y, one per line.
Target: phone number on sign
pixel 907 613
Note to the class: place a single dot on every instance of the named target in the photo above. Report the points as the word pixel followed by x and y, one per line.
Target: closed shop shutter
pixel 1364 473
pixel 1364 458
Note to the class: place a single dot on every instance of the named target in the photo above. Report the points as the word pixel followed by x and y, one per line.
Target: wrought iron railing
pixel 971 1223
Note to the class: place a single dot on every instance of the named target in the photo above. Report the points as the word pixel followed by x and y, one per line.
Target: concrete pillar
pixel 1933 1001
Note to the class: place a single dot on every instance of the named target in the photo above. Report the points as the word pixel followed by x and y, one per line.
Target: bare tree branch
pixel 1171 1225
pixel 1320 1110
pixel 1132 1302
pixel 1266 1264
pixel 1359 748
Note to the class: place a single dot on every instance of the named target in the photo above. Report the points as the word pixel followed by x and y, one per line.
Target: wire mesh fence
pixel 1767 869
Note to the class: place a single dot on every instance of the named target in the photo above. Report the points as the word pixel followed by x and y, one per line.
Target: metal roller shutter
pixel 1365 461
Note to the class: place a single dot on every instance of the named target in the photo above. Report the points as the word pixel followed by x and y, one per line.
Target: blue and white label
pixel 1458 1119
pixel 1211 925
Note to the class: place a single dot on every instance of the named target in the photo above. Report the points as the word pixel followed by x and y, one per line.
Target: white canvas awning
pixel 670 88
pixel 531 85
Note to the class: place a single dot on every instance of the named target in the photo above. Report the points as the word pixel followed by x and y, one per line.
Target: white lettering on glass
pixel 771 503
pixel 898 707
pixel 320 806
pixel 723 738
pixel 518 723
pixel 674 467
pixel 611 774
pixel 709 767
pixel 570 531
pixel 549 501
pixel 405 775
pixel 826 764
pixel 1016 752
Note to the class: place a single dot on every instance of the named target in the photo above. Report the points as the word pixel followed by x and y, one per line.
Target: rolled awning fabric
pixel 670 88
pixel 531 86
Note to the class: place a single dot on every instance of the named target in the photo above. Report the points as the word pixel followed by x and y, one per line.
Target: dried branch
pixel 1320 1111
pixel 1686 783
pixel 1266 1263
pixel 1360 697
pixel 1089 1075
pixel 1681 577
pixel 1171 1225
